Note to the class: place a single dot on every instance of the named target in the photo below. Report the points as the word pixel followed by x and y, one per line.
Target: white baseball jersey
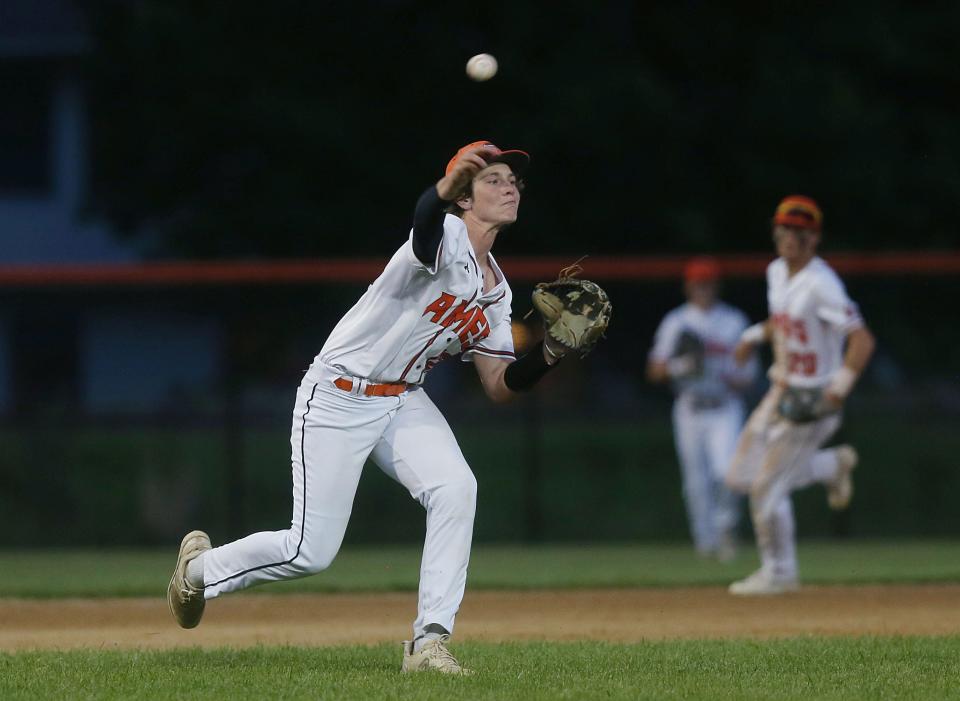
pixel 413 315
pixel 811 316
pixel 719 327
pixel 410 318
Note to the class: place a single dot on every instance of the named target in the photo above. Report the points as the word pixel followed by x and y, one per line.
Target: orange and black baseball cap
pixel 701 270
pixel 799 211
pixel 517 160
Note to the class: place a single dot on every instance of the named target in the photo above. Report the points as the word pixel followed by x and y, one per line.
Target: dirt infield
pixel 615 615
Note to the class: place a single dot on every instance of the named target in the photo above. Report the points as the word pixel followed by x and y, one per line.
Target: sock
pixel 785 546
pixel 433 631
pixel 775 539
pixel 195 572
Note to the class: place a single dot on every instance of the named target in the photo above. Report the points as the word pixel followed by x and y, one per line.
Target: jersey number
pixel 802 363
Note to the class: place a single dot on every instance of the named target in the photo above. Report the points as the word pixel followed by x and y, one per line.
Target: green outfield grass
pixel 852 668
pixel 83 573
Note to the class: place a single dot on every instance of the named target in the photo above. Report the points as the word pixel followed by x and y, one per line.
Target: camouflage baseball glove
pixel 803 405
pixel 575 312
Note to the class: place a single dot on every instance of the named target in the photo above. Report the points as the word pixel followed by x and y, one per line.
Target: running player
pixel 810 318
pixel 708 411
pixel 442 294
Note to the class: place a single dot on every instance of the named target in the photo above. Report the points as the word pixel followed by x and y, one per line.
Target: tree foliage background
pixel 309 129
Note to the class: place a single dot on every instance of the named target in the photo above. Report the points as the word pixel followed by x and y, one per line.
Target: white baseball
pixel 482 67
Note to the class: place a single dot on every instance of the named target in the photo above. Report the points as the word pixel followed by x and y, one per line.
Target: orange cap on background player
pixel 517 160
pixel 799 211
pixel 701 270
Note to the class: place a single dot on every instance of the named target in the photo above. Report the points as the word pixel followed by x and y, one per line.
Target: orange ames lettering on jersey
pixel 461 316
pixel 474 332
pixel 469 323
pixel 440 306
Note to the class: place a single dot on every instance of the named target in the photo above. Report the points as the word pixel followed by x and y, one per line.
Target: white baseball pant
pixel 773 458
pixel 333 434
pixel 705 441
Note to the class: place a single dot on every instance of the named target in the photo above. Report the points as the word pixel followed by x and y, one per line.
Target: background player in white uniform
pixel 708 411
pixel 441 294
pixel 811 317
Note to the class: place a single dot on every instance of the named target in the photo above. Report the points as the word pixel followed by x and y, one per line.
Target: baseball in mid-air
pixel 482 67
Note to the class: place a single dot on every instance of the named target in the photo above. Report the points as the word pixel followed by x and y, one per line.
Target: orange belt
pixel 386 389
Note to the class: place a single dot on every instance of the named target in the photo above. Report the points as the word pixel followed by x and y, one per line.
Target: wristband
pixel 754 334
pixel 842 382
pixel 524 372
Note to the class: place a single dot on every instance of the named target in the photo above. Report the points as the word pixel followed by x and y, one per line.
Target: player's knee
pixel 311 562
pixel 457 497
pixel 313 553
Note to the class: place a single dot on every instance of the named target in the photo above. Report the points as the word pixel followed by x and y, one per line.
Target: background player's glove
pixel 575 312
pixel 802 405
pixel 687 357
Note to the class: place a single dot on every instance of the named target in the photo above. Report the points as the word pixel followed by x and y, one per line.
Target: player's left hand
pixel 575 312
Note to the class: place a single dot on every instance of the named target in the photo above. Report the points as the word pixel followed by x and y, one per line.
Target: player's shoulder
pixel 454 222
pixel 822 268
pixel 672 320
pixel 454 246
pixel 731 312
pixel 677 314
pixel 454 227
pixel 824 274
pixel 776 269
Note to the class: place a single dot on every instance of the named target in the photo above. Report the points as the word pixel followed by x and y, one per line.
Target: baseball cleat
pixel 840 491
pixel 763 583
pixel 187 602
pixel 434 655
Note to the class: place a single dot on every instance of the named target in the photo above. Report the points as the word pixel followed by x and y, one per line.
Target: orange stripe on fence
pixel 364 270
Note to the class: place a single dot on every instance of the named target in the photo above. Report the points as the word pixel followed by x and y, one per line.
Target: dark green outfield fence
pixel 580 479
pixel 589 456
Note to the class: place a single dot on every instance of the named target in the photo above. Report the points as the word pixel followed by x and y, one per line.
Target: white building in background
pixel 72 347
pixel 44 163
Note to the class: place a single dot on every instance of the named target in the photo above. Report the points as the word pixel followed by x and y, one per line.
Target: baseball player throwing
pixel 811 317
pixel 693 349
pixel 441 295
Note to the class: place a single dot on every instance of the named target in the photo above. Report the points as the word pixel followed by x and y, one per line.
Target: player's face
pixel 793 243
pixel 702 293
pixel 496 196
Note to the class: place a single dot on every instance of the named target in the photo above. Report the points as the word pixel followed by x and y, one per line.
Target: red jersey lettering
pixel 461 316
pixel 439 306
pixel 477 330
pixel 791 328
pixel 469 323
